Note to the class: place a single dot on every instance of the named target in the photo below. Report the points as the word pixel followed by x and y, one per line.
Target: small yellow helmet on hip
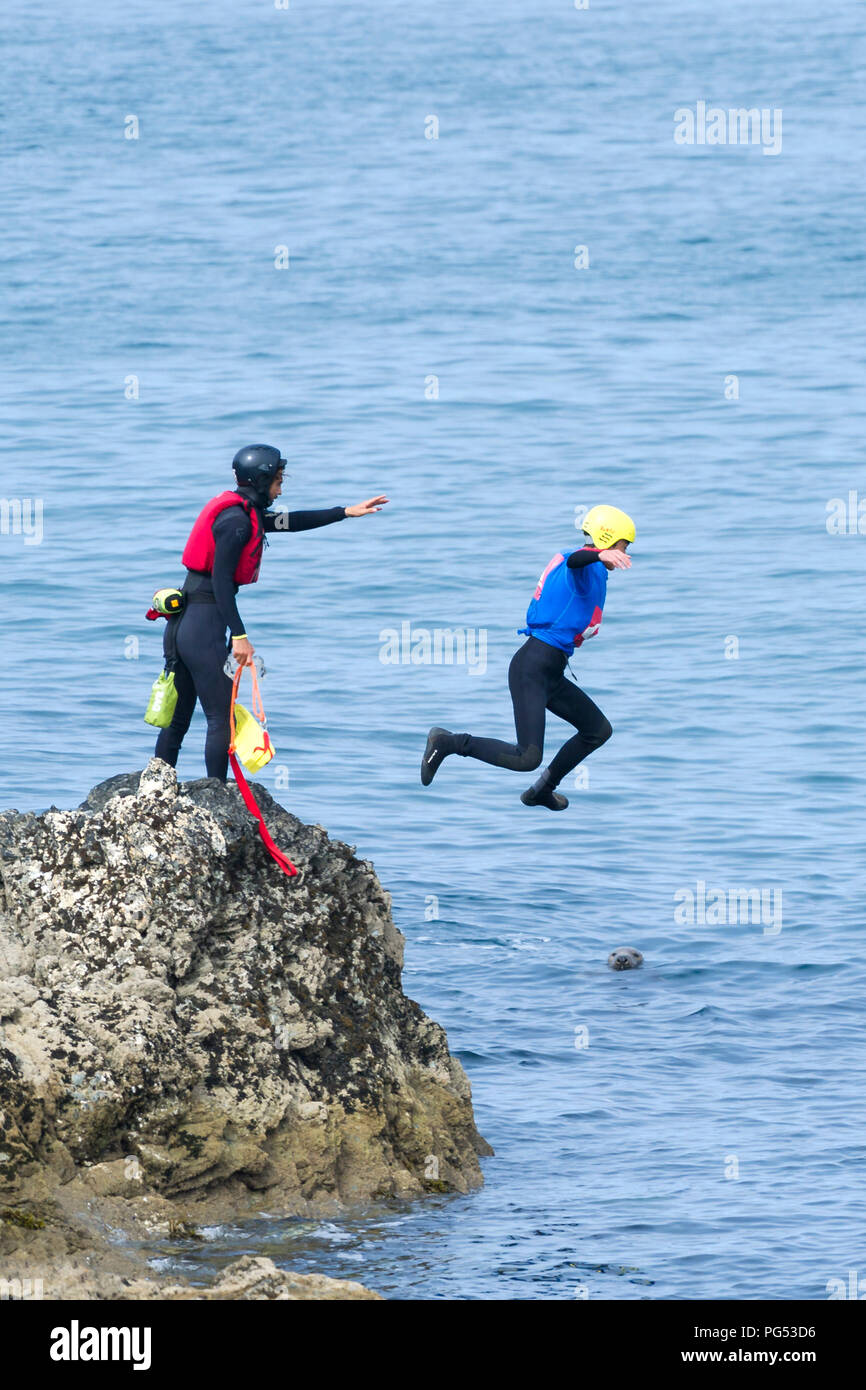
pixel 607 525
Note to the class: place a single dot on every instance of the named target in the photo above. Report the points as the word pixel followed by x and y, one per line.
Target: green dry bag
pixel 163 698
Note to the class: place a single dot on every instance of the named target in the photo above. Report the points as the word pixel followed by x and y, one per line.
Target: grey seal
pixel 625 958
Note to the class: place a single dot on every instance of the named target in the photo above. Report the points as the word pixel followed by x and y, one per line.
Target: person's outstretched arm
pixel 611 559
pixel 308 521
pixel 579 559
pixel 303 521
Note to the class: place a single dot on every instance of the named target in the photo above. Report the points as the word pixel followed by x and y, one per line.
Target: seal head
pixel 625 958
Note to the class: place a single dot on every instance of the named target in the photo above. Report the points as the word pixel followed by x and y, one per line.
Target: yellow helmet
pixel 607 525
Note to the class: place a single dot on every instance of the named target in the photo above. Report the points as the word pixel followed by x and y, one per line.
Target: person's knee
pixel 529 760
pixel 604 731
pixel 218 715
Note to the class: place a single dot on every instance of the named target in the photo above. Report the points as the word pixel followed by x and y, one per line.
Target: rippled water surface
pixel 708 1142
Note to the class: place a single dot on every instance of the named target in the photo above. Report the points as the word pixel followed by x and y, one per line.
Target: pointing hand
pixel 373 504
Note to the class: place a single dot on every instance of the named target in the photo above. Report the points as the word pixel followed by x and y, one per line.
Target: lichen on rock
pixel 181 1020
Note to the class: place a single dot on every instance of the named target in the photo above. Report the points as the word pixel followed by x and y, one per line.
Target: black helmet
pixel 257 465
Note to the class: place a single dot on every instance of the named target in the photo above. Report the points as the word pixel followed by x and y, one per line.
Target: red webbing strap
pixel 243 786
pixel 249 801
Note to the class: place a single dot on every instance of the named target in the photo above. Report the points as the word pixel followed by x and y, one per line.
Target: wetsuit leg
pixel 170 739
pixel 567 701
pixel 535 669
pixel 202 649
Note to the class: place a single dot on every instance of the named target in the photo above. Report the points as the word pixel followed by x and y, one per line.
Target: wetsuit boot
pixel 440 742
pixel 542 793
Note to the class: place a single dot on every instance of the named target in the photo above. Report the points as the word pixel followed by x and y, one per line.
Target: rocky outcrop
pixel 250 1278
pixel 189 1034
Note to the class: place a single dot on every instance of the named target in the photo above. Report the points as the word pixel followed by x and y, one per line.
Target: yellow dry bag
pixel 250 739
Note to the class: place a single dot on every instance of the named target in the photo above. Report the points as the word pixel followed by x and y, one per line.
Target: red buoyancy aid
pixel 200 549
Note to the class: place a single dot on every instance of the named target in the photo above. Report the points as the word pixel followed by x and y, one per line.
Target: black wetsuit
pixel 537 682
pixel 195 643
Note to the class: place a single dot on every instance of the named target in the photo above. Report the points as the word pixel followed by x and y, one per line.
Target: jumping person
pixel 565 610
pixel 224 550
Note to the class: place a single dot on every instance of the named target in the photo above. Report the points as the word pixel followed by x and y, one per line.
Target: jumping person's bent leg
pixel 535 668
pixel 528 683
pixel 571 703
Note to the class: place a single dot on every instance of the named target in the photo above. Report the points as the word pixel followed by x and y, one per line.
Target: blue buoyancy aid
pixel 567 605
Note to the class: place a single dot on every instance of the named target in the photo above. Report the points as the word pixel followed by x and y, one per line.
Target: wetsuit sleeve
pixel 231 530
pixel 579 559
pixel 303 521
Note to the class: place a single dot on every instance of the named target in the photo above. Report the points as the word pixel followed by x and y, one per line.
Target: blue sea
pixel 453 253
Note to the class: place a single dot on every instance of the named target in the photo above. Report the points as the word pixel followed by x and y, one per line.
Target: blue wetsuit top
pixel 567 605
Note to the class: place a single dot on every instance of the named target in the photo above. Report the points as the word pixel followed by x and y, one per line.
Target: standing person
pixel 565 610
pixel 224 550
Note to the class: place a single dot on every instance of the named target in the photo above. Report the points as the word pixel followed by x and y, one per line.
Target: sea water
pixel 457 253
